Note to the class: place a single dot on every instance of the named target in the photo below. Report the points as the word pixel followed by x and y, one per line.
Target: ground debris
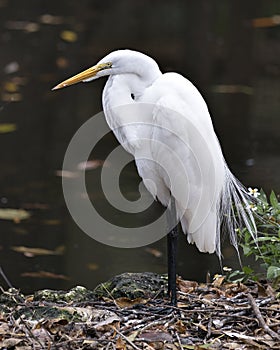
pixel 208 316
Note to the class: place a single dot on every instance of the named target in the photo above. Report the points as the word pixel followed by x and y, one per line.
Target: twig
pixel 126 339
pixel 108 346
pixel 155 323
pixel 29 332
pixel 209 330
pixel 260 318
pixel 179 341
pixel 20 317
pixel 137 324
pixel 5 278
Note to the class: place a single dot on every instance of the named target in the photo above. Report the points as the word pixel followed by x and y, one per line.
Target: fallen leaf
pixel 120 344
pixel 218 281
pixel 186 286
pixel 211 296
pixel 44 274
pixel 11 97
pixel 10 86
pixel 235 288
pixel 29 27
pixel 89 342
pixel 8 127
pixel 50 19
pixel 109 323
pixel 30 252
pixel 132 336
pixel 39 333
pixel 243 336
pixel 155 336
pixel 155 252
pixel 69 36
pixel 62 62
pixel 92 164
pixel 11 67
pixel 218 323
pixel 10 343
pixel 266 22
pixel 233 89
pixel 93 266
pixel 15 215
pixel 180 327
pixel 126 302
pixel 67 174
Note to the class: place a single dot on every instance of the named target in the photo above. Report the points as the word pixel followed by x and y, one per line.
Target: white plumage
pixel 164 122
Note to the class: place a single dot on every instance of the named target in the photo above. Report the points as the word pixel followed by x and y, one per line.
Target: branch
pixel 260 318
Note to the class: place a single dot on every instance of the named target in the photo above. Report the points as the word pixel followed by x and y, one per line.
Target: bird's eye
pixel 132 96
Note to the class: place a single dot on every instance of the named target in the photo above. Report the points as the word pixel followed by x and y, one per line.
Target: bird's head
pixel 116 62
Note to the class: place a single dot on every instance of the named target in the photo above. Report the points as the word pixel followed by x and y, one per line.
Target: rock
pixel 133 285
pixel 76 294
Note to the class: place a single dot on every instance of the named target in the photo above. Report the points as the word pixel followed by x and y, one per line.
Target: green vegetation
pixel 266 247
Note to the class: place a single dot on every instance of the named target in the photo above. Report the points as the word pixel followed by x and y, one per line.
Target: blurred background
pixel 229 49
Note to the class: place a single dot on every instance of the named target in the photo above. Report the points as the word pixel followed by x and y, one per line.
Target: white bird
pixel 164 122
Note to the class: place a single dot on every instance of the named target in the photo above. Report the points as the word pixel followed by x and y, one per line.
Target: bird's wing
pixel 189 159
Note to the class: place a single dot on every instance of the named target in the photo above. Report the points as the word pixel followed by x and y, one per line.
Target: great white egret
pixel 177 124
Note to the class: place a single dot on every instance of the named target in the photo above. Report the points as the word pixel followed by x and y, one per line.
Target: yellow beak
pixel 86 74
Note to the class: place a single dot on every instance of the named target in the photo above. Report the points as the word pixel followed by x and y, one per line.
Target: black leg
pixel 172 243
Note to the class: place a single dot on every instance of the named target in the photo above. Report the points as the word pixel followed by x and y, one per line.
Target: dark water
pixel 232 58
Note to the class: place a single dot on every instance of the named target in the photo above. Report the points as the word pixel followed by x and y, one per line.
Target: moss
pixel 133 285
pixel 11 297
pixel 74 295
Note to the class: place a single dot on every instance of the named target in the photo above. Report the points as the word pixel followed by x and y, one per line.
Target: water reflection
pixel 216 45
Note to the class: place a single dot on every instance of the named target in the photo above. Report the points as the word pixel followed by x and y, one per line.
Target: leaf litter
pixel 208 316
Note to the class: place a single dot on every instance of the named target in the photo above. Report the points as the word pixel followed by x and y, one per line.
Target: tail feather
pixel 234 211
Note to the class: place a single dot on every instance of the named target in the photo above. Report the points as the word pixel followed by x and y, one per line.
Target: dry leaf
pixel 11 97
pixel 132 336
pixel 235 288
pixel 93 266
pixel 50 19
pixel 10 86
pixel 210 296
pixel 7 127
pixel 126 302
pixel 91 164
pixel 29 27
pixel 15 215
pixel 233 89
pixel 266 22
pixel 155 336
pixel 30 252
pixel 120 344
pixel 180 326
pixel 67 174
pixel 39 333
pixel 155 252
pixel 62 62
pixel 11 67
pixel 69 35
pixel 218 281
pixel 44 274
pixel 186 286
pixel 10 343
pixel 109 323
